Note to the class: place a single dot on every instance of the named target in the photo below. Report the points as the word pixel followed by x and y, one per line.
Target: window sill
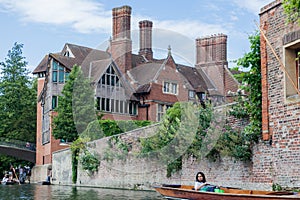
pixel 293 99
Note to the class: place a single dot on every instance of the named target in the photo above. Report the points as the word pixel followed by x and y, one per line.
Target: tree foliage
pixel 17 98
pixel 75 107
pixel 74 112
pixel 17 103
pixel 292 10
pixel 251 83
pixel 182 131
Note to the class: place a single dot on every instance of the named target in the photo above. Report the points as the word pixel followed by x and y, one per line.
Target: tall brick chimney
pixel 146 39
pixel 211 57
pixel 121 44
pixel 211 49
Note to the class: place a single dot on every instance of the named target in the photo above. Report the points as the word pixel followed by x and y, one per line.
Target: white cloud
pixel 82 15
pixel 252 6
pixel 191 28
pixel 88 16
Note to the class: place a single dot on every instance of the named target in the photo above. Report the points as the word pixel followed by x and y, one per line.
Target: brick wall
pixel 135 173
pixel 277 160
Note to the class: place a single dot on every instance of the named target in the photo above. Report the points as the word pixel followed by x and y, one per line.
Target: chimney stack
pixel 211 49
pixel 121 44
pixel 211 57
pixel 146 39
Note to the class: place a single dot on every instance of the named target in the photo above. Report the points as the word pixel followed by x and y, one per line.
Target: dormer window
pixel 67 54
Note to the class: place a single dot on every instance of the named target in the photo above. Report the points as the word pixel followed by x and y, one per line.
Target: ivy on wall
pixel 80 153
pixel 292 10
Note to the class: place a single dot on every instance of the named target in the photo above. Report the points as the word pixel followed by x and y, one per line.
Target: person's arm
pixel 200 186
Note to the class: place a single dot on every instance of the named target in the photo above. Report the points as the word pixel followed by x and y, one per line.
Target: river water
pixel 58 192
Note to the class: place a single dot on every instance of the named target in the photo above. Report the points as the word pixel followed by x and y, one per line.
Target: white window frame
pixel 170 88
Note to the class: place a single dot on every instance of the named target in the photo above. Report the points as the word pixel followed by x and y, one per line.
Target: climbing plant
pixel 153 147
pixel 292 10
pixel 251 103
pixel 88 160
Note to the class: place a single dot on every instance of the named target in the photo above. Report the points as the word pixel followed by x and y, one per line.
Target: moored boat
pixel 8 182
pixel 187 192
pixel 46 183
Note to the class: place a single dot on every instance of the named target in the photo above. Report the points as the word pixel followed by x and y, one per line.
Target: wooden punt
pixel 187 192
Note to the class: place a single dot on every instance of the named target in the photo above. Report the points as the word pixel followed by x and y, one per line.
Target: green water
pixel 58 192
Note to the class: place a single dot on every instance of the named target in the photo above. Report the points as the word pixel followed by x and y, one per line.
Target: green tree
pixel 180 133
pixel 17 103
pixel 251 83
pixel 75 108
pixel 74 112
pixel 292 10
pixel 17 98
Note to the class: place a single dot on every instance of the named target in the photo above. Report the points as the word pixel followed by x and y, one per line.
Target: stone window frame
pixel 170 87
pixel 292 71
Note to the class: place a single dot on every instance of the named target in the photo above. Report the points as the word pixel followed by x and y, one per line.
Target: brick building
pixel 280 46
pixel 131 86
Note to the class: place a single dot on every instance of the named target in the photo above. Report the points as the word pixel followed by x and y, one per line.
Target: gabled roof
pixel 211 87
pixel 94 63
pixel 68 62
pixel 145 73
pixel 194 78
pixel 82 56
pixel 42 67
pixel 97 69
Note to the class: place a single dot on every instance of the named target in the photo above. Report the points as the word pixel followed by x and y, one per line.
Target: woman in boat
pixel 200 181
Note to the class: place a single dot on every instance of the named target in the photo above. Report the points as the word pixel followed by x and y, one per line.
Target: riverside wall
pixel 132 173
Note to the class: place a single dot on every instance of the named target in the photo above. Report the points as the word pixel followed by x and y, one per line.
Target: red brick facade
pixel 279 159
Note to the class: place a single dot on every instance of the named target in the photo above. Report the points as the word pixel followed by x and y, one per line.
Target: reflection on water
pixel 58 192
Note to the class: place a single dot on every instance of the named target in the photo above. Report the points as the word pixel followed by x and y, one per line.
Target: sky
pixel 44 26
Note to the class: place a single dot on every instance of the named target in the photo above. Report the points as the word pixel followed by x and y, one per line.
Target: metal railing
pixel 17 144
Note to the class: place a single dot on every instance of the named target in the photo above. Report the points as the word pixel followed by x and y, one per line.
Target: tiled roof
pixel 97 68
pixel 94 56
pixel 212 89
pixel 193 77
pixel 68 62
pixel 145 73
pixel 94 63
pixel 42 65
pixel 82 56
pixel 144 88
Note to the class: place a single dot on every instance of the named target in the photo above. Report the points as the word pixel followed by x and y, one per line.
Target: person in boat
pixel 200 181
pixel 22 174
pixel 28 173
pixel 5 179
pixel 11 173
